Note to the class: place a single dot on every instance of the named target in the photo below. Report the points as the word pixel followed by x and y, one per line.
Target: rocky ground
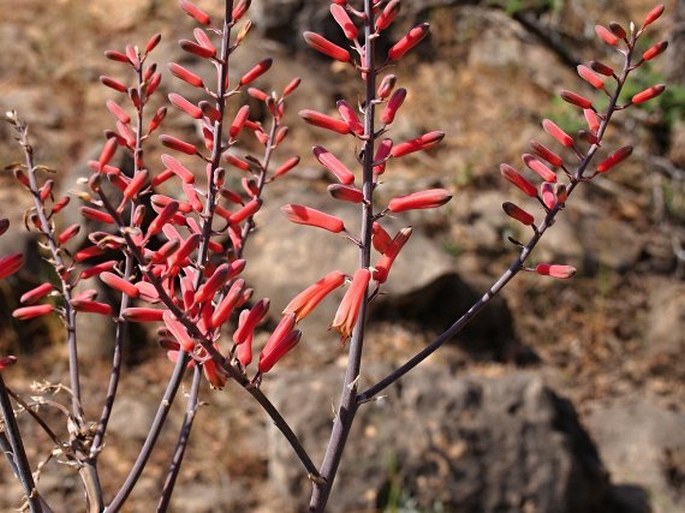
pixel 566 396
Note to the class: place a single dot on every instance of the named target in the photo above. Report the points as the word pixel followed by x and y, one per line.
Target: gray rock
pixel 665 336
pixel 469 444
pixel 643 445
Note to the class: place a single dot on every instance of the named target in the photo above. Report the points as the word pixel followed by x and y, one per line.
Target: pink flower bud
pixel 350 117
pixel 555 271
pixel 593 122
pixel 90 306
pixel 395 102
pixel 555 131
pixel 346 193
pixel 177 144
pixel 515 178
pixel 142 314
pixel 431 198
pixel 195 12
pixel 164 216
pixel 120 284
pixel 239 121
pixel 606 35
pixel 655 50
pixel 546 154
pixel 196 49
pixel 615 158
pixel 250 209
pixel 343 19
pixel 248 322
pixel 114 55
pixel 152 43
pixel 179 169
pixel 386 86
pixel 7 361
pixel 107 152
pixel 10 264
pixel 409 41
pixel 535 165
pixel 303 304
pixel 286 166
pixel 590 77
pixel 187 247
pixel 271 354
pixel 422 142
pixel 388 15
pixel 86 253
pixel 136 184
pixel 309 216
pixel 96 215
pixel 324 121
pixel 31 312
pixel 382 268
pixel 240 8
pixel 244 352
pixel 382 153
pixel 653 15
pixel 346 316
pixel 257 71
pixel 186 75
pixel 113 84
pixel 517 213
pixel 323 45
pixel 228 303
pixel 97 269
pixel 203 39
pixel 36 294
pixel 648 94
pixel 118 112
pixel 330 162
pixel 575 99
pixel 292 85
pixel 549 198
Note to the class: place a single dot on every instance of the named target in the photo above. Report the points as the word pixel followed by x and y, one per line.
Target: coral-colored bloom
pixel 575 99
pixel 655 50
pixel 177 144
pixel 323 121
pixel 343 19
pixel 286 166
pixel 546 154
pixel 256 71
pixel 615 158
pixel 606 35
pixel 228 303
pixel 422 142
pixel 346 316
pixel 179 169
pixel 36 294
pixel 653 15
pixel 303 304
pixel 90 306
pixel 555 271
pixel 309 216
pixel 348 114
pixel 590 77
pixel 431 198
pixel 518 180
pixel 186 75
pixel 195 12
pixel 184 105
pixel 555 131
pixel 380 238
pixel 346 193
pixel 248 322
pixel 409 41
pixel 382 268
pixel 534 164
pixel 31 312
pixel 331 162
pixel 387 16
pixel 277 348
pixel 178 330
pixel 393 105
pixel 323 45
pixel 120 284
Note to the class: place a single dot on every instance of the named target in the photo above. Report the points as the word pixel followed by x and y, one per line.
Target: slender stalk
pixel 151 440
pixel 21 463
pixel 348 400
pixel 182 444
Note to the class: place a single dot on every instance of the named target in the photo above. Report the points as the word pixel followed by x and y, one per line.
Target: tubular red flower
pixel 96 215
pixel 10 264
pixel 323 121
pixel 292 85
pixel 36 294
pixel 228 303
pixel 31 312
pixel 388 15
pixel 107 152
pixel 547 194
pixel 431 198
pixel 277 350
pixel 648 94
pixel 177 144
pixel 239 121
pixel 653 15
pixel 163 218
pixel 555 270
pixel 90 306
pixel 592 119
pixel 195 12
pixel 136 184
pixel 350 117
pixel 303 304
pixel 517 179
pixel 118 112
pixel 546 154
pixel 393 105
pixel 331 162
pixel 244 352
pixel 409 41
pixel 517 213
pixel 346 316
pixel 590 77
pixel 120 284
pixel 179 169
pixel 343 19
pixel 286 166
pixel 113 84
pixel 311 217
pixel 346 193
pixel 423 142
pixel 606 35
pixel 382 153
pixel 614 159
pixel 251 319
pixel 575 99
pixel 602 68
pixel 555 131
pixel 655 50
pixel 256 71
pixel 178 330
pixel 196 49
pixel 323 45
pixel 184 105
pixel 534 164
pixel 380 238
pixel 386 86
pixel 382 268
pixel 186 75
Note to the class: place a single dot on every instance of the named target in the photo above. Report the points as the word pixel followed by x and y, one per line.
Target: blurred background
pixel 564 397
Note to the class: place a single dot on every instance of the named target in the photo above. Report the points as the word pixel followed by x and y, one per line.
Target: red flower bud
pixel 388 15
pixel 606 35
pixel 648 94
pixel 186 75
pixel 195 12
pixel 517 213
pixel 546 154
pixel 248 322
pixel 97 269
pixel 323 45
pixel 303 304
pixel 655 50
pixel 602 68
pixel 10 264
pixel 90 306
pixel 350 117
pixel 534 164
pixel 590 77
pixel 549 198
pixel 515 177
pixel 555 271
pixel 395 102
pixel 113 84
pixel 422 142
pixel 239 121
pixel 553 129
pixel 240 8
pixel 177 144
pixel 196 49
pixel 615 158
pixel 273 352
pixel 118 112
pixel 120 284
pixel 96 215
pixel 617 30
pixel 593 122
pixel 575 99
pixel 381 239
pixel 292 85
pixel 179 169
pixel 382 153
pixel 308 216
pixel 286 166
pixel 107 152
pixel 330 162
pixel 346 193
pixel 409 41
pixel 431 198
pixel 324 121
pixel 178 330
pixel 250 209
pixel 382 268
pixel 257 71
pixel 228 303
pixel 31 312
pixel 36 294
pixel 343 19
pixel 386 86
pixel 653 15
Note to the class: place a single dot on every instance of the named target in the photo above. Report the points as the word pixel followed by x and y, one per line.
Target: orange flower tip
pixel 648 94
pixel 431 198
pixel 195 12
pixel 517 213
pixel 10 264
pixel 653 15
pixel 309 216
pixel 555 270
pixel 7 361
pixel 326 47
pixel 409 41
pixel 30 312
